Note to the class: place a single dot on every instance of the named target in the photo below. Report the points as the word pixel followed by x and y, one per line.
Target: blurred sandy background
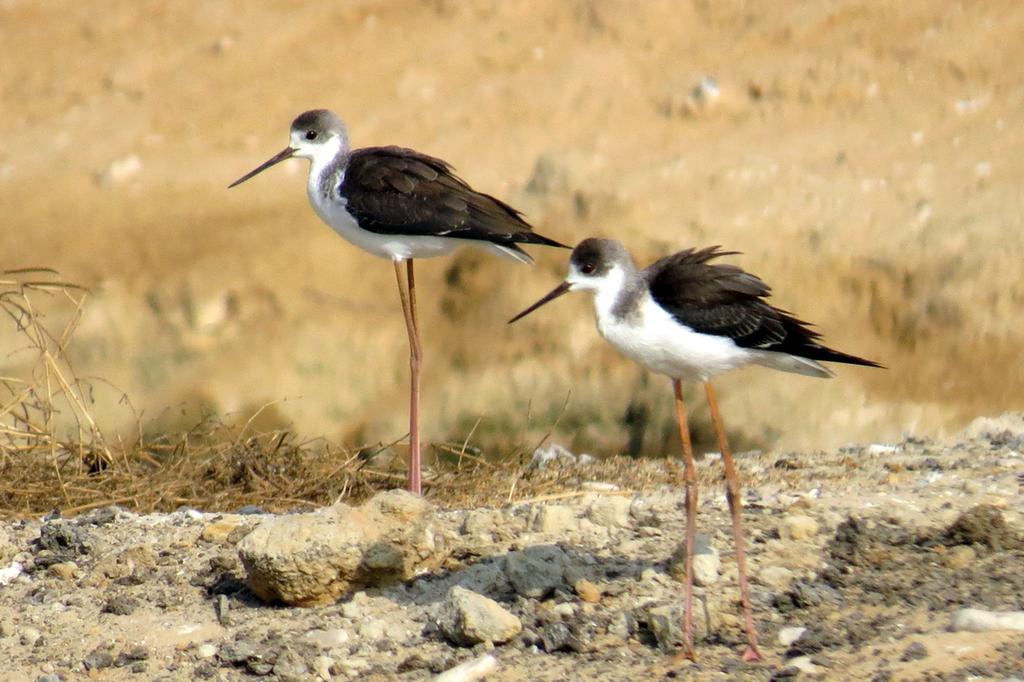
pixel 866 158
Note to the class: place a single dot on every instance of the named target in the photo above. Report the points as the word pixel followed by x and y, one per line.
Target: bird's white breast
pixel 650 336
pixel 333 210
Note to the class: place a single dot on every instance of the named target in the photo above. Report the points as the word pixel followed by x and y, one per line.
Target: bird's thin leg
pixel 690 480
pixel 732 494
pixel 415 359
pixel 408 297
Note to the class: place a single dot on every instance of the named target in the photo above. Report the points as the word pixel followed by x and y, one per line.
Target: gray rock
pixel 666 622
pixel 238 652
pixel 706 562
pixel 915 651
pixel 556 637
pixel 120 605
pixel 536 571
pixel 468 618
pixel 314 558
pixel 98 660
pixel 977 620
pixel 485 578
pixel 60 541
pixel 132 655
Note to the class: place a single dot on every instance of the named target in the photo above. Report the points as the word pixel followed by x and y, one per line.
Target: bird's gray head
pixel 596 265
pixel 317 135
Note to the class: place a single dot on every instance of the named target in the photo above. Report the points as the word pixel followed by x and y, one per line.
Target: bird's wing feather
pixel 721 300
pixel 391 190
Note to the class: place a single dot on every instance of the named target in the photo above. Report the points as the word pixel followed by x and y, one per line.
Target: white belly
pixel 392 247
pixel 663 345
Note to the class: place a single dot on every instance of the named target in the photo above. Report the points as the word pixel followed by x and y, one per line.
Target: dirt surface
pixel 871 549
pixel 865 157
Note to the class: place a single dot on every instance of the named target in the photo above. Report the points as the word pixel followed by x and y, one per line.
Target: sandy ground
pixel 872 549
pixel 864 156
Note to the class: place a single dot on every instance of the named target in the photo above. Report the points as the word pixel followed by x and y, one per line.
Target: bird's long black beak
pixel 283 155
pixel 562 288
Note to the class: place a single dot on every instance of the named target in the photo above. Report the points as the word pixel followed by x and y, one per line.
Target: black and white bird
pixel 399 204
pixel 690 319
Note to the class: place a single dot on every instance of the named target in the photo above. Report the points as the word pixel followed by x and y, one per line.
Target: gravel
pixel 549 592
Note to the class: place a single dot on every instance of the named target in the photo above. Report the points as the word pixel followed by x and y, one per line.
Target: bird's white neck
pixel 323 166
pixel 608 292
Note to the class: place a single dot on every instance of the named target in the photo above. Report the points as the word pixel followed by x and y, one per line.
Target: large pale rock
pixel 468 618
pixel 482 522
pixel 977 620
pixel 314 558
pixel 797 527
pixel 555 519
pixel 610 511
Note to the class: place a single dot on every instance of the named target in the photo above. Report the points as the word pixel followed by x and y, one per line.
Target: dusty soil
pixel 865 157
pixel 902 536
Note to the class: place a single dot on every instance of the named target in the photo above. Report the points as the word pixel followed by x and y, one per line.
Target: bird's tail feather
pixel 792 363
pixel 511 251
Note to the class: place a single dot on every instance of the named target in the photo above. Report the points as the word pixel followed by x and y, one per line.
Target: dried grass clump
pixel 53 455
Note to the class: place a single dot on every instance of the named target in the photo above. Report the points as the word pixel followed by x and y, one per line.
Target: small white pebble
pixel 791 634
pixel 206 650
pixel 9 573
pixel 476 669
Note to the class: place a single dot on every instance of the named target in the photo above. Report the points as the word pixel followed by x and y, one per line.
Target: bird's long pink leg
pixel 690 480
pixel 415 354
pixel 732 494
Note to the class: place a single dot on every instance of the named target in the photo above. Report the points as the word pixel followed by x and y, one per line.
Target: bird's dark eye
pixel 588 268
pixel 311 135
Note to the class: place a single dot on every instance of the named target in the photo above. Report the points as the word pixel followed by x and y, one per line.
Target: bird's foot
pixel 751 655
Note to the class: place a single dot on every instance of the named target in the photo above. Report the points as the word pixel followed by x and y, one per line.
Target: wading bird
pixel 399 204
pixel 689 320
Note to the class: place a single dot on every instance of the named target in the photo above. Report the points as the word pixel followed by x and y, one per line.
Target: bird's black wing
pixel 391 190
pixel 723 300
